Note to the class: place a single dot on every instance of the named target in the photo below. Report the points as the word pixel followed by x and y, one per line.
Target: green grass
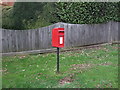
pixel 99 69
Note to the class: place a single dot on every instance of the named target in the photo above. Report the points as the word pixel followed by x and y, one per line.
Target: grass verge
pixel 87 68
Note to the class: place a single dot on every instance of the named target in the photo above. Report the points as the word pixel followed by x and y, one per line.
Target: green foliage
pixel 28 15
pixel 87 12
pixel 43 18
pixel 7 19
pixel 31 15
pixel 25 13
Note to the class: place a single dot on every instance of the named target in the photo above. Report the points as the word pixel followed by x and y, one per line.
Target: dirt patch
pixel 105 64
pixel 117 47
pixel 81 66
pixel 3 70
pixel 67 79
pixel 87 66
pixel 22 56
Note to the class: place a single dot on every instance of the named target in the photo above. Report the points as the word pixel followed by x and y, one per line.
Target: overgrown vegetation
pixel 95 67
pixel 87 12
pixel 7 19
pixel 27 15
pixel 31 15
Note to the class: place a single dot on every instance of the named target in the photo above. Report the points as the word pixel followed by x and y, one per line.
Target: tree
pixel 23 12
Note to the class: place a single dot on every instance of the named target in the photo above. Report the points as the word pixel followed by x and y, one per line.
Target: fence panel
pixel 75 35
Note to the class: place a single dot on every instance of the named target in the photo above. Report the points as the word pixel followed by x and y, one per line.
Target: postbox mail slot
pixel 61 31
pixel 61 35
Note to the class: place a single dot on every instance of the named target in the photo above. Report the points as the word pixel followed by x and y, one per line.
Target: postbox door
pixel 61 38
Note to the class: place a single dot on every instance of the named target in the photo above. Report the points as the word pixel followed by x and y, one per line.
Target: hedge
pixel 30 15
pixel 87 12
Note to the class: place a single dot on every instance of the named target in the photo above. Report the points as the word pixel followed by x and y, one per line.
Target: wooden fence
pixel 75 35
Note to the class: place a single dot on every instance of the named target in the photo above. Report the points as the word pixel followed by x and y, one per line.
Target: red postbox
pixel 58 37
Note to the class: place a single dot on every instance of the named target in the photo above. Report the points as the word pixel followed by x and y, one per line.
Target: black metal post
pixel 57 59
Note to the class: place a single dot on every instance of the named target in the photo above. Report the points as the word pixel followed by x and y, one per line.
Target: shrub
pixel 7 19
pixel 87 12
